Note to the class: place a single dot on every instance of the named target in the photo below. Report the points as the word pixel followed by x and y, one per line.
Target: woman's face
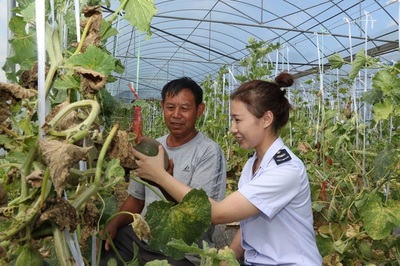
pixel 247 129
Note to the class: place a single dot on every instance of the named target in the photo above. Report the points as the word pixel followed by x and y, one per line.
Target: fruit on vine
pixel 29 256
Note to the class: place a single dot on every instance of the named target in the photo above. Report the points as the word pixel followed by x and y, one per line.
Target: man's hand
pixel 112 231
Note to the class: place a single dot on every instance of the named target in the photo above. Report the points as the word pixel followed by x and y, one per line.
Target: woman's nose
pixel 233 129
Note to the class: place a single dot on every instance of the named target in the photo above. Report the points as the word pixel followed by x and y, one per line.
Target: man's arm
pixel 131 204
pixel 236 245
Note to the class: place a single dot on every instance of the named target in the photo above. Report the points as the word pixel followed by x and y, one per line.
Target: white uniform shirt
pixel 282 233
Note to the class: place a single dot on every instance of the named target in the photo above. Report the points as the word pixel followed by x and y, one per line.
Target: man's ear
pixel 200 109
pixel 268 118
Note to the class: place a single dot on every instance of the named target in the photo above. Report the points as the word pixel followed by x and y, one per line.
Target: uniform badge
pixel 282 156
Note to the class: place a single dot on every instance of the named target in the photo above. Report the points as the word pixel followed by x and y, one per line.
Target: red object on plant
pixel 137 122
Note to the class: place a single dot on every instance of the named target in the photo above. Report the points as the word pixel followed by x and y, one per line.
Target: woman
pixel 273 202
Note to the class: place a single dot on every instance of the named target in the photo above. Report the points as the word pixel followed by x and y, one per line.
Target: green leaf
pixel 212 255
pixel 325 245
pixel 358 64
pixel 188 221
pixel 384 110
pixel 114 169
pixel 15 156
pixel 66 82
pixel 379 219
pixel 336 61
pixel 386 160
pixel 29 13
pixel 386 81
pixel 6 142
pixel 140 13
pixel 23 44
pixel 94 59
pixel 107 30
pixel 372 96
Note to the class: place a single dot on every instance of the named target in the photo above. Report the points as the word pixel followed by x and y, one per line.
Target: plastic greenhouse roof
pixel 196 38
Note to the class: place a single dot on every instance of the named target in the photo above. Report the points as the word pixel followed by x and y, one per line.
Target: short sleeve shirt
pixel 282 233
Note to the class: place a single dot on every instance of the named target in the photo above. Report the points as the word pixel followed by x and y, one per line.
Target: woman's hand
pixel 150 167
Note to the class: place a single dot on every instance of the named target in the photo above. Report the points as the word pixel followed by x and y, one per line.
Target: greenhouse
pixel 83 84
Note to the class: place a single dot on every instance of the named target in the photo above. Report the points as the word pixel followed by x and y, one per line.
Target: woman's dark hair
pixel 261 96
pixel 175 86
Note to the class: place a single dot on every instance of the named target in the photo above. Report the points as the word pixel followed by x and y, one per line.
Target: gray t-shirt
pixel 200 164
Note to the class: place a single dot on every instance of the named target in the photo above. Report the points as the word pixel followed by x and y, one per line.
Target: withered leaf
pixel 35 178
pixel 92 81
pixel 140 227
pixel 3 196
pixel 60 157
pixel 18 91
pixel 90 217
pixel 121 148
pixel 59 211
pixel 94 33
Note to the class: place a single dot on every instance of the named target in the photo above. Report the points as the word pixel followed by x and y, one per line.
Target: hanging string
pixel 41 50
pixel 289 98
pixel 367 16
pixel 276 62
pixel 319 98
pixel 354 88
pixel 138 65
pixel 77 20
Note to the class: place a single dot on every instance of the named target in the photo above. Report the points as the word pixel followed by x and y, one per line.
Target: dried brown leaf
pixel 18 91
pixel 92 81
pixel 59 211
pixel 94 13
pixel 90 217
pixel 3 196
pixel 60 157
pixel 35 178
pixel 141 227
pixel 121 148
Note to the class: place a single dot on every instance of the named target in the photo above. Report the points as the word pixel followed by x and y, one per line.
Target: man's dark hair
pixel 175 86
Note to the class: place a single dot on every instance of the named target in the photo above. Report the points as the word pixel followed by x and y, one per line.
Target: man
pixel 197 161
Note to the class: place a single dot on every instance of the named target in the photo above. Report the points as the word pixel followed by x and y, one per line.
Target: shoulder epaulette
pixel 282 156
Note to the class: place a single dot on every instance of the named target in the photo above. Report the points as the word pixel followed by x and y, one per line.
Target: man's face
pixel 180 113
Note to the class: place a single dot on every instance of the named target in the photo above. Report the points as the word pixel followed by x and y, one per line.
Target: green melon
pixel 29 256
pixel 149 147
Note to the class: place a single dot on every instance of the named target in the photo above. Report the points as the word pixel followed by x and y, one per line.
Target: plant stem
pixel 9 132
pixel 55 56
pixel 62 251
pixel 84 125
pixel 95 186
pixel 116 13
pixel 23 219
pixel 26 167
pixel 16 165
pixel 152 188
pixel 45 183
pixel 85 31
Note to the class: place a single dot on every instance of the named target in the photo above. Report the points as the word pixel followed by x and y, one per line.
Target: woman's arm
pixel 233 208
pixel 152 168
